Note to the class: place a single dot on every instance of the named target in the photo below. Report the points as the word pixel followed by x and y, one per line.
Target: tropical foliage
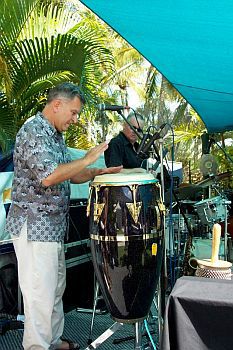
pixel 40 47
pixel 46 42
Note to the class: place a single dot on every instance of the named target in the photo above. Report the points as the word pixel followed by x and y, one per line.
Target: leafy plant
pixel 42 46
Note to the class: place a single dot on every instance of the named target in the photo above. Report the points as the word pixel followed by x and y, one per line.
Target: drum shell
pixel 211 210
pixel 128 274
pixel 124 262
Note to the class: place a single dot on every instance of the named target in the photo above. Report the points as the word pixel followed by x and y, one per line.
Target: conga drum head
pixel 126 241
pixel 125 179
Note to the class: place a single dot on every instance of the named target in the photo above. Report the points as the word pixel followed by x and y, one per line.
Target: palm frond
pixel 48 21
pixel 14 14
pixel 32 60
pixel 7 128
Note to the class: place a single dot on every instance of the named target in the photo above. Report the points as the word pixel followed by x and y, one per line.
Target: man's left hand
pixel 111 170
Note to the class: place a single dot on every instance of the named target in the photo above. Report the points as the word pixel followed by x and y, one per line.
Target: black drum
pixel 126 241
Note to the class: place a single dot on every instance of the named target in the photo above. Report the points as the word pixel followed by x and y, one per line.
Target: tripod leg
pixel 138 336
pixel 94 310
pixel 103 337
pixel 225 235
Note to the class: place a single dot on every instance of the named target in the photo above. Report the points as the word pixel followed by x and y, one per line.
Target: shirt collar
pixel 49 128
pixel 124 138
pixel 127 142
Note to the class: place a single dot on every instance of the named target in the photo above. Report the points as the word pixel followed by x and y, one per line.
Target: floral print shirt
pixel 39 149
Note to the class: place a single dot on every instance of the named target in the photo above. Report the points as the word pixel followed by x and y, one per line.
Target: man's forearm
pixel 70 170
pixel 65 172
pixel 86 175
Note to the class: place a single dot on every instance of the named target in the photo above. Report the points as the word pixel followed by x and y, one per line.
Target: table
pixel 199 315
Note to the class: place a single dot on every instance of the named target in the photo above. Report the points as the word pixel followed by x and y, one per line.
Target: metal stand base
pixel 90 311
pixel 104 336
pixel 110 331
pixel 138 336
pixel 117 325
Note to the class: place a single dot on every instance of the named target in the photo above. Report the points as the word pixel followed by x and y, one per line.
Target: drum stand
pixel 138 336
pixel 115 327
pixel 111 330
pixel 226 203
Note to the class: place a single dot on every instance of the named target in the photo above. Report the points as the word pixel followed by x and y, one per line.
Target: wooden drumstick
pixel 214 268
pixel 215 244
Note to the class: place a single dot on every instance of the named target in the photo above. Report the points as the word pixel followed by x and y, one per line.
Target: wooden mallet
pixel 214 268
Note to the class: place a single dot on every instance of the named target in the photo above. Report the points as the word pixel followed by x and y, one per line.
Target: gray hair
pixel 135 115
pixel 66 90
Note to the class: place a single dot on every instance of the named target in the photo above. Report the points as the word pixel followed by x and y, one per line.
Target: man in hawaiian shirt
pixel 38 215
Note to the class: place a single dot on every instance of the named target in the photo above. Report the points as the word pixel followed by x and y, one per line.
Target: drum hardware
pixel 89 202
pixel 134 210
pixel 114 327
pixel 97 297
pixel 208 164
pixel 189 192
pixel 213 210
pixel 98 208
pixel 162 207
pixel 104 336
pixel 138 336
pixel 159 221
pixel 214 179
pixel 135 207
pixel 177 231
pixel 122 238
pixel 163 175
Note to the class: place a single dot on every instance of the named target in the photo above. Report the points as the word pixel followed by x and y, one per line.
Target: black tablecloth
pixel 199 315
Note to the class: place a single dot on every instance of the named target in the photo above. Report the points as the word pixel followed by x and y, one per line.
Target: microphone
pixel 113 108
pixel 205 139
pixel 142 144
pixel 156 136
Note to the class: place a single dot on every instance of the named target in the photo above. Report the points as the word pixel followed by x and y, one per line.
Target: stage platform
pixel 77 328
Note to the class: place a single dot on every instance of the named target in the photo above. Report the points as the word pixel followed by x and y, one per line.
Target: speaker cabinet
pixel 8 280
pixel 79 291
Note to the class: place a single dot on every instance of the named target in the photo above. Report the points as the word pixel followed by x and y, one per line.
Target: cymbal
pixel 189 192
pixel 225 175
pixel 211 179
pixel 207 182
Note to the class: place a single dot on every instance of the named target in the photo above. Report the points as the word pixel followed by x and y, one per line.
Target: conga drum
pixel 126 215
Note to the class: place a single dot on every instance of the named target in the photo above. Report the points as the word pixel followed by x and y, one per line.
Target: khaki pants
pixel 42 275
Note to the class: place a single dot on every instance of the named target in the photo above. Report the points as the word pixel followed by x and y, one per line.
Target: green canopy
pixel 189 42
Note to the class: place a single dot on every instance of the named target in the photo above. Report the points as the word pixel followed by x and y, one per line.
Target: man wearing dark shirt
pixel 122 148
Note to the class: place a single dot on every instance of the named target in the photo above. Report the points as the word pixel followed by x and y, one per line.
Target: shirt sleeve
pixel 37 154
pixel 114 154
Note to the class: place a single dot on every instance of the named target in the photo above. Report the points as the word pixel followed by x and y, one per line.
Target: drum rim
pixel 121 238
pixel 120 178
pixel 207 200
pixel 131 182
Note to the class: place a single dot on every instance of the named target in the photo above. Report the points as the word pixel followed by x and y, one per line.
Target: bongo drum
pixel 126 215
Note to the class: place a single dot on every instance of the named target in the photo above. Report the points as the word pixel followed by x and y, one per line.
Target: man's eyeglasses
pixel 138 129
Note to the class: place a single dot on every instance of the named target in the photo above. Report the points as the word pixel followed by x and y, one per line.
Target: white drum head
pixel 131 177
